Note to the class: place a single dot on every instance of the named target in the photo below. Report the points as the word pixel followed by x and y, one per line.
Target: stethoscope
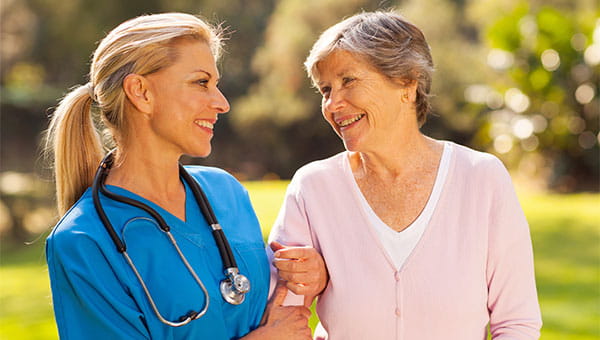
pixel 235 285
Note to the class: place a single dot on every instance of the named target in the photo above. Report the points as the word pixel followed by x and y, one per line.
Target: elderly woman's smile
pixel 362 105
pixel 346 122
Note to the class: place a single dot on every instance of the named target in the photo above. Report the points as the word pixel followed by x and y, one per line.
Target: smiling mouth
pixel 349 121
pixel 204 124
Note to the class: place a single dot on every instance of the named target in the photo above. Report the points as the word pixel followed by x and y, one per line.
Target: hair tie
pixel 90 89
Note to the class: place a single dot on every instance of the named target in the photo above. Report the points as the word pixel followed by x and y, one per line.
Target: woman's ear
pixel 409 93
pixel 137 90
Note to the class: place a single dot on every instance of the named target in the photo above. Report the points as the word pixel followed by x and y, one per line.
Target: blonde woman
pixel 146 248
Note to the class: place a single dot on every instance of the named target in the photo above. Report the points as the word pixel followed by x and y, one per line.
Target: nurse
pixel 153 91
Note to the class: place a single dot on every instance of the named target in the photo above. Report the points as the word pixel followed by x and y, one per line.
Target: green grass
pixel 566 237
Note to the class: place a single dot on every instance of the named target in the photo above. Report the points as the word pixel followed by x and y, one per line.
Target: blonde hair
pixel 141 45
pixel 391 44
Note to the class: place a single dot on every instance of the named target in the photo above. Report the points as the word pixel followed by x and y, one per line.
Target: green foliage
pixel 546 46
pixel 283 93
pixel 564 230
pixel 504 34
pixel 275 124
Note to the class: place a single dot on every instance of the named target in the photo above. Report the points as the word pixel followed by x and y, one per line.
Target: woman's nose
pixel 334 102
pixel 220 103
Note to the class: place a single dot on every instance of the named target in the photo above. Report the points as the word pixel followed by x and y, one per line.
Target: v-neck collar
pixel 191 206
pixel 358 197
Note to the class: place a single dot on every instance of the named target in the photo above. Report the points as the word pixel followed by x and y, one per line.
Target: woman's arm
pixel 296 255
pixel 89 300
pixel 512 296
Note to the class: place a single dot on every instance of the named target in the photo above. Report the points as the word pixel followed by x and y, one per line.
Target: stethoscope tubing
pixel 229 263
pixel 218 234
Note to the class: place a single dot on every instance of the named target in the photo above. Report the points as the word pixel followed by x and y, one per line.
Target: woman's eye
pixel 325 90
pixel 202 82
pixel 347 80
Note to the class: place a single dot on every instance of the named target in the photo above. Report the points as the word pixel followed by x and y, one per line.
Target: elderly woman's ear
pixel 409 92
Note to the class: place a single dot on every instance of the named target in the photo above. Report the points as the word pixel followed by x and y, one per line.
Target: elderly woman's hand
pixel 282 322
pixel 302 268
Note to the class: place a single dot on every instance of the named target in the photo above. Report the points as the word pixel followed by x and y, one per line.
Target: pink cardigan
pixel 472 267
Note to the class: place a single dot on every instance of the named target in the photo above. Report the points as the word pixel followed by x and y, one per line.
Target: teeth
pixel 204 123
pixel 349 121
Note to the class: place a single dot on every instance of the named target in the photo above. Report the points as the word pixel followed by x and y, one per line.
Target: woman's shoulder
pixel 479 169
pixel 474 160
pixel 220 186
pixel 319 176
pixel 81 220
pixel 319 168
pixel 201 171
pixel 212 176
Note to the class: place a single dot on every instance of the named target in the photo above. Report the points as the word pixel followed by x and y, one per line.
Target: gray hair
pixel 391 44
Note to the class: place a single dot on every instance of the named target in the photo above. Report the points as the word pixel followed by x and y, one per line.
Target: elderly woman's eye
pixel 347 80
pixel 325 90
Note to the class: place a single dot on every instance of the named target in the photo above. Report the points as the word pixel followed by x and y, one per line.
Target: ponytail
pixel 75 145
pixel 141 45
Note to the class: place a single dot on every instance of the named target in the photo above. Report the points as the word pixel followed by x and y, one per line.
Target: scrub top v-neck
pixel 97 296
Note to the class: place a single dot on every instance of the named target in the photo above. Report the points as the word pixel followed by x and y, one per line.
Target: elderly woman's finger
pixel 295 252
pixel 304 278
pixel 299 288
pixel 294 265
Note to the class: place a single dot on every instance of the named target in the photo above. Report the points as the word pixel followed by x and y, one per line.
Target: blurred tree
pixel 516 78
pixel 541 111
pixel 275 123
pixel 47 46
pixel 283 106
pixel 46 49
pixel 279 116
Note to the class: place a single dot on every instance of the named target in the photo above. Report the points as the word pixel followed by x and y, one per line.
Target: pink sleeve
pixel 512 299
pixel 291 229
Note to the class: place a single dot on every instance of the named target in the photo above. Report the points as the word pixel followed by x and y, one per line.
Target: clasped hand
pixel 302 268
pixel 282 322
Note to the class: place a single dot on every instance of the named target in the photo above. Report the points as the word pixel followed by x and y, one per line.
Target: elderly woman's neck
pixel 397 160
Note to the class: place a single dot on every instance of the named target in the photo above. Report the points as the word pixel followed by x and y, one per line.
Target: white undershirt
pixel 399 245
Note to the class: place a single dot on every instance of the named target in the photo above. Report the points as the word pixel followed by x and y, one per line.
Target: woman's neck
pixel 396 159
pixel 151 175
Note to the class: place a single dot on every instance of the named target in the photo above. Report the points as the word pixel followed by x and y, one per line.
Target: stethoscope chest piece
pixel 234 287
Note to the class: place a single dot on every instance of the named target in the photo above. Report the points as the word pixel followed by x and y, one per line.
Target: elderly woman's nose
pixel 334 102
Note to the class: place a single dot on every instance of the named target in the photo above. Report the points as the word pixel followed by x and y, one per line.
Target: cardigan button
pixel 397 276
pixel 397 311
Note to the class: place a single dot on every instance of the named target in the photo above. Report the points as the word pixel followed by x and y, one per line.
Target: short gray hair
pixel 391 44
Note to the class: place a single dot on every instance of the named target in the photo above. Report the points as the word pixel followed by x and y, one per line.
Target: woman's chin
pixel 351 145
pixel 200 153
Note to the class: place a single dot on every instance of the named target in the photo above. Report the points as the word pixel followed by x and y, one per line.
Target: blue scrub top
pixel 97 296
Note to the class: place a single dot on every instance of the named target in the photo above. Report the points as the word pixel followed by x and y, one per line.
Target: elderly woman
pixel 423 239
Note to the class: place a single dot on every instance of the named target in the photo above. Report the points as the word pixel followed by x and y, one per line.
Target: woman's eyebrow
pixel 207 73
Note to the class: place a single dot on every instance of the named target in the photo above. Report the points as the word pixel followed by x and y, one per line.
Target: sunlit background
pixel 519 79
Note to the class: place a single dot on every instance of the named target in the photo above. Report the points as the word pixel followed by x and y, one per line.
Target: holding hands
pixel 282 322
pixel 302 268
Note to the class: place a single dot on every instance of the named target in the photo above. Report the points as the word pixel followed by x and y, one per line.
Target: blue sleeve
pixel 89 300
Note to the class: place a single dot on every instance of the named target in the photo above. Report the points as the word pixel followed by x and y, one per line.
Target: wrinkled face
pixel 187 101
pixel 362 105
